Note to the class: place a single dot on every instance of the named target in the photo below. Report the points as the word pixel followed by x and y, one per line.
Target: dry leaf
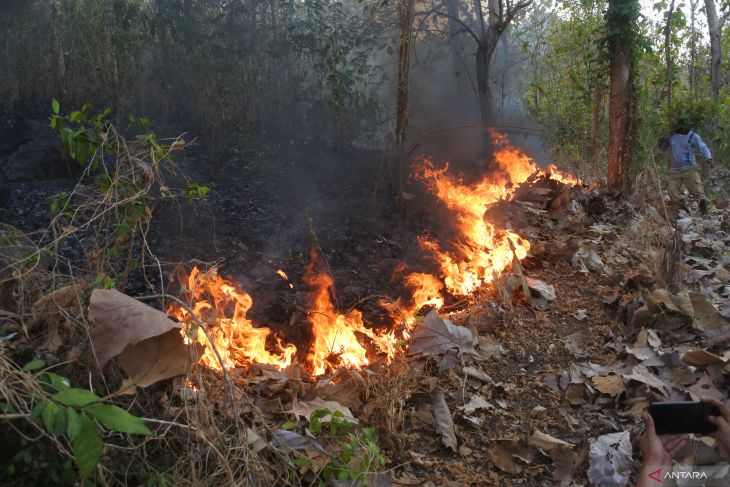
pixel 478 374
pixel 504 452
pixel 546 442
pixel 564 460
pixel 435 336
pixel 705 388
pixel 610 384
pixel 611 460
pixel 305 409
pixel 156 359
pixel 702 358
pixel 444 421
pixel 476 402
pixel 289 440
pixel 706 316
pixel 118 321
pixel 641 374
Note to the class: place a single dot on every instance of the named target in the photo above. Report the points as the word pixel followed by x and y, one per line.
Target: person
pixel 683 165
pixel 657 451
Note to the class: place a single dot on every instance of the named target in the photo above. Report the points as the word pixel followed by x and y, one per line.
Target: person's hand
pixel 722 435
pixel 659 450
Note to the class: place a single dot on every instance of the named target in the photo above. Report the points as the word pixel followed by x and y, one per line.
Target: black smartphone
pixel 678 417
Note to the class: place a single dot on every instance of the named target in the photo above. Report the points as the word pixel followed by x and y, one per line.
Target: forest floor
pixel 549 393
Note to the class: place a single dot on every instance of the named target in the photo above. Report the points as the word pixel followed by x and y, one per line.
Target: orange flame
pixel 336 335
pixel 481 252
pixel 220 303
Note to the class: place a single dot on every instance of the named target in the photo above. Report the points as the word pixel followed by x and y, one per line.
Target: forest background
pixel 328 71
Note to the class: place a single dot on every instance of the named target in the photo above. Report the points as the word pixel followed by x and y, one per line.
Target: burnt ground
pixel 267 205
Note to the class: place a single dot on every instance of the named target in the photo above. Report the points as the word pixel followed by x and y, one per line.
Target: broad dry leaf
pixel 564 460
pixel 706 316
pixel 546 442
pixel 641 374
pixel 503 454
pixel 435 336
pixel 610 384
pixel 305 409
pixel 611 460
pixel 701 358
pixel 118 321
pixel 705 388
pixel 444 421
pixel 476 402
pixel 156 359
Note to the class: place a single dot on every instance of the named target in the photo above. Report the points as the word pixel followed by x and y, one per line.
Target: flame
pixel 222 307
pixel 480 252
pixel 335 335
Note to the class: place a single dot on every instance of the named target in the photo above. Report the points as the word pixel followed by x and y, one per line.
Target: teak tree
pixel 621 37
pixel 491 22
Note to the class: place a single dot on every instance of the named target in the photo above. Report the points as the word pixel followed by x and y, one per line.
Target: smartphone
pixel 678 417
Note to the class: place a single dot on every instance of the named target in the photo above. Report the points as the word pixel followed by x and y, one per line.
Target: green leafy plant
pixel 75 419
pixel 355 454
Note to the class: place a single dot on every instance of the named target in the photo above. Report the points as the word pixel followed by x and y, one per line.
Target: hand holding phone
pixel 678 417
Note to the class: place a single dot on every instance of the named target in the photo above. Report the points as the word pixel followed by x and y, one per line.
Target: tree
pixel 715 49
pixel 487 34
pixel 668 49
pixel 622 31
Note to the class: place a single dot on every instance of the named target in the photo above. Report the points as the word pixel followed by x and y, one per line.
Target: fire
pixel 335 339
pixel 219 302
pixel 480 252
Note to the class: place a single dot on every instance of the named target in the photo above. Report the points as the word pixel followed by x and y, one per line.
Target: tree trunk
pixel 457 48
pixel 715 49
pixel 597 118
pixel 693 48
pixel 405 23
pixel 620 123
pixel 485 91
pixel 668 50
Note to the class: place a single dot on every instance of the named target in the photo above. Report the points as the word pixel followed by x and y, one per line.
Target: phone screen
pixel 672 418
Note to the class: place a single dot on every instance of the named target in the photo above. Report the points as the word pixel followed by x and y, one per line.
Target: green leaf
pixel 38 409
pixel 55 105
pixel 34 365
pixel 58 382
pixel 288 426
pixel 117 419
pixel 73 424
pixel 49 415
pixel 59 422
pixel 302 462
pixel 87 447
pixel 76 397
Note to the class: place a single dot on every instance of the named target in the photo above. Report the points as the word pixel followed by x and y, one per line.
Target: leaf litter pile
pixel 536 378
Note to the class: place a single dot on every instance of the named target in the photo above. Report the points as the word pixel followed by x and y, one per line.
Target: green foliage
pixel 71 417
pixel 354 455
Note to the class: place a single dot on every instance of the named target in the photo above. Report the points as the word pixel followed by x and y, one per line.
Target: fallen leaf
pixel 255 441
pixel 476 402
pixel 541 292
pixel 701 358
pixel 641 374
pixel 610 384
pixel 478 374
pixel 546 442
pixel 564 460
pixel 587 259
pixel 610 460
pixel 504 452
pixel 705 388
pixel 156 359
pixel 444 421
pixel 706 316
pixel 304 409
pixel 118 321
pixel 435 336
pixel 289 440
